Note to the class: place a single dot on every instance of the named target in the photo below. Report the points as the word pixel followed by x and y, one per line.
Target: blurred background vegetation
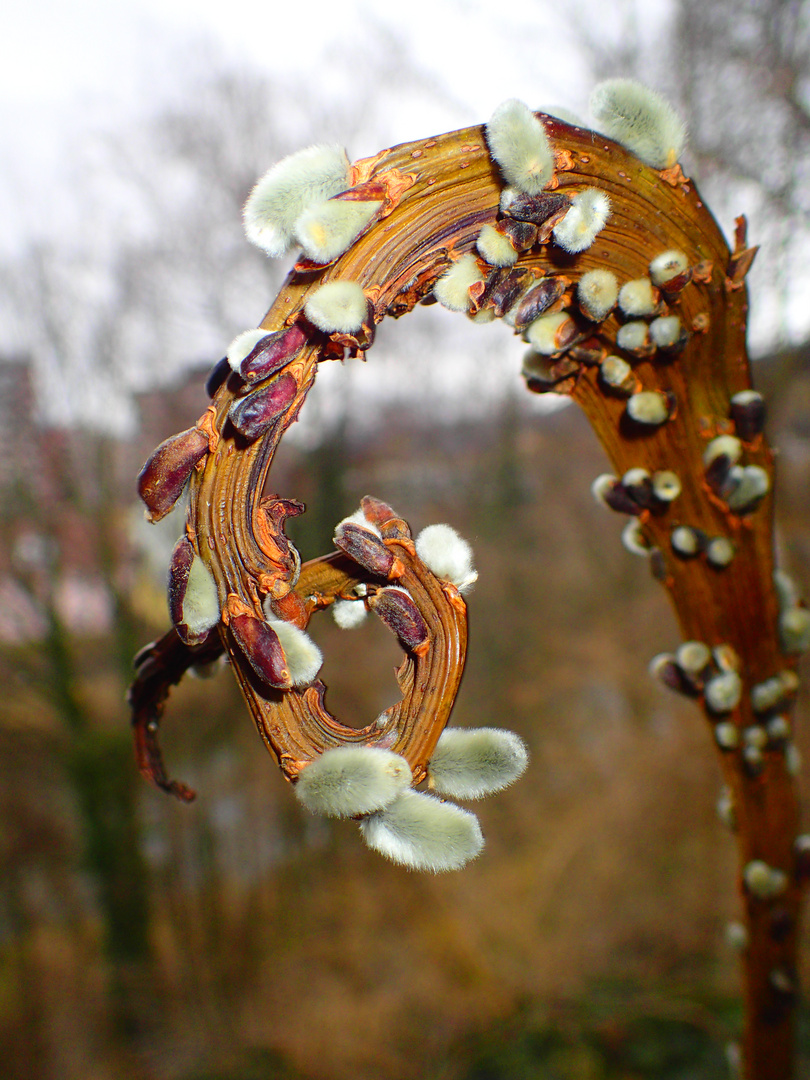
pixel 238 937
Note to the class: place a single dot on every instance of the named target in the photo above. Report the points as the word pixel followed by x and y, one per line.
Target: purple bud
pixel 400 614
pixel 273 352
pixel 748 414
pixel 591 352
pixel 390 524
pixel 503 289
pixel 220 372
pixel 676 284
pixel 542 374
pixel 621 500
pixel 537 300
pixel 193 601
pixel 252 415
pixel 664 668
pixel 163 477
pixel 365 548
pixel 638 485
pixel 376 511
pixel 538 209
pixel 717 474
pixel 523 234
pixel 179 567
pixel 262 648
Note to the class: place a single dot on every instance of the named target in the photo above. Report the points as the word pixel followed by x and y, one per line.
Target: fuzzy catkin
pixel 519 144
pixel 286 190
pixel 329 228
pixel 469 763
pixel 639 119
pixel 201 600
pixel 348 781
pixel 423 833
pixel 585 219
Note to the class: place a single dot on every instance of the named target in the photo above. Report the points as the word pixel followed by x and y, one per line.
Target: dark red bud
pixel 621 500
pixel 717 474
pixel 380 514
pixel 590 352
pixel 676 284
pixel 179 567
pixel 365 548
pixel 262 648
pixel 273 352
pixel 565 335
pixel 641 493
pixel 476 292
pixel 400 614
pixel 220 373
pixel 163 477
pixel 253 415
pixel 376 511
pixel 538 208
pixel 537 300
pixel 748 414
pixel 545 375
pixel 503 289
pixel 670 675
pixel 523 234
pixel 668 672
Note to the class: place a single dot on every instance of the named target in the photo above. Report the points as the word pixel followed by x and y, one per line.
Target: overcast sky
pixel 69 67
pixel 52 50
pixel 71 70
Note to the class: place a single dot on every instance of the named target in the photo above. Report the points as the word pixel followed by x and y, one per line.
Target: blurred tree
pixel 740 73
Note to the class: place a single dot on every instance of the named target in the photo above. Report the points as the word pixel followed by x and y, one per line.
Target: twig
pixel 664 379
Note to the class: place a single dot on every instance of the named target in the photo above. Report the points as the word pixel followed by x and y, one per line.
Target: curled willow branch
pixel 605 258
